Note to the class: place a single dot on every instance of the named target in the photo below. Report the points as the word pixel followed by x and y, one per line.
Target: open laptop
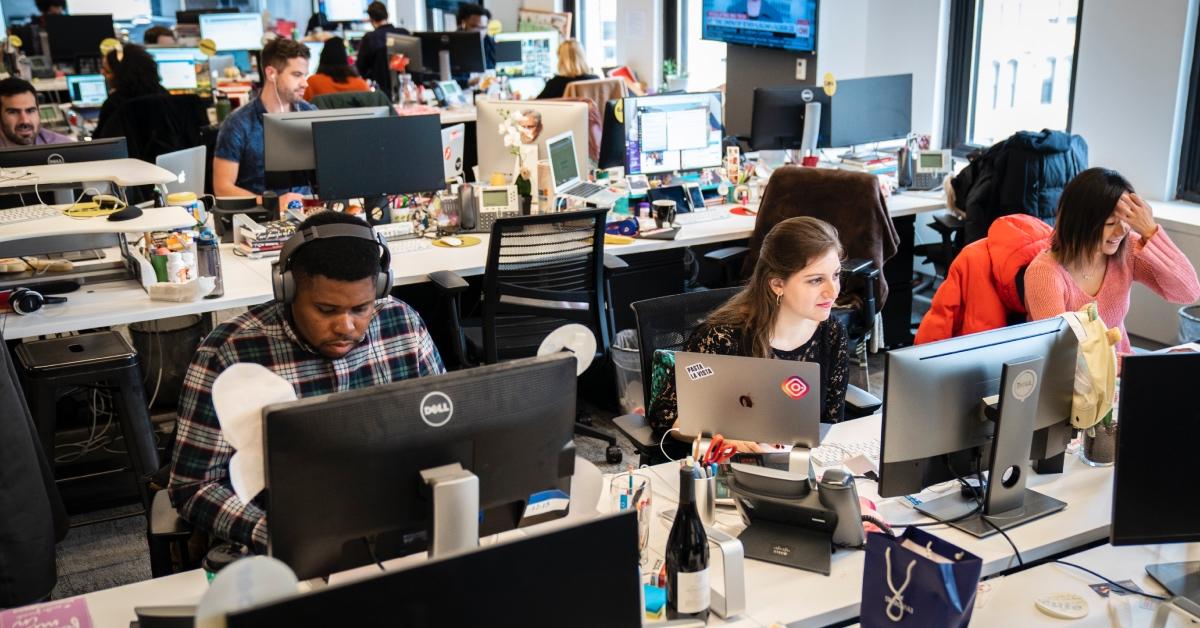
pixel 453 143
pixel 755 399
pixel 564 171
pixel 188 166
pixel 88 91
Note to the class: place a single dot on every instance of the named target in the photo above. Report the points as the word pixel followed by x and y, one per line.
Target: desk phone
pixel 931 170
pixel 495 201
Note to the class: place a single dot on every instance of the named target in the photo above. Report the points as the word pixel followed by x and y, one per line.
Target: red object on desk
pixel 810 161
pixel 743 211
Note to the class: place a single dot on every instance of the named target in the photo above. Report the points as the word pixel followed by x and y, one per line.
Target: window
pixel 1188 186
pixel 598 31
pixel 702 61
pixel 1009 35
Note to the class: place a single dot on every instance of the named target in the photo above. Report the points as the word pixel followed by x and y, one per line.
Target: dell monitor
pixel 789 118
pixel 868 110
pixel 673 132
pixel 233 31
pixel 69 153
pixel 1155 449
pixel 453 53
pixel 376 156
pixel 288 142
pixel 410 47
pixel 75 36
pixel 934 400
pixel 349 474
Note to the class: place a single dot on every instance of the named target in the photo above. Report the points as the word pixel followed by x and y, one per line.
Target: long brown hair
pixel 789 247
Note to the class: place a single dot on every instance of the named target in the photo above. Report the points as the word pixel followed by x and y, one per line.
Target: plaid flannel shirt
pixel 397 347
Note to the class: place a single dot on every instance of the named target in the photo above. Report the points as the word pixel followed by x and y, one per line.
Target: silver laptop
pixel 754 399
pixel 564 171
pixel 188 167
pixel 453 142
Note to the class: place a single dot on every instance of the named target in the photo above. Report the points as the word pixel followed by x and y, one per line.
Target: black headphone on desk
pixel 26 301
pixel 283 283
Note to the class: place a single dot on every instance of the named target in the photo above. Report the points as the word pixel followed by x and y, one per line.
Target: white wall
pixel 903 38
pixel 407 13
pixel 639 38
pixel 841 39
pixel 506 12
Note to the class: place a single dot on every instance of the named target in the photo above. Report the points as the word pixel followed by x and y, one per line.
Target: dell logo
pixel 436 409
pixel 55 159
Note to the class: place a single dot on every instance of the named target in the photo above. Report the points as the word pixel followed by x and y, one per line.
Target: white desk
pixel 456 115
pixel 799 598
pixel 1009 600
pixel 123 172
pixel 152 219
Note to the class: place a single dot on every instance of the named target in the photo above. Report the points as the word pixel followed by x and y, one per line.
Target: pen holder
pixel 706 499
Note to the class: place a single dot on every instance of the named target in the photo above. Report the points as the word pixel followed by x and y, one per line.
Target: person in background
pixel 130 72
pixel 473 17
pixel 317 24
pixel 782 313
pixel 572 66
pixel 49 7
pixel 238 161
pixel 334 73
pixel 334 336
pixel 159 36
pixel 20 119
pixel 1105 238
pixel 372 61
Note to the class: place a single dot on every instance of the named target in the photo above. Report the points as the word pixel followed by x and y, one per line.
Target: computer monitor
pixel 933 430
pixel 345 10
pixel 410 47
pixel 121 10
pixel 314 53
pixel 74 36
pixel 453 145
pixel 612 136
pixel 673 132
pixel 527 53
pixel 555 118
pixel 781 115
pixel 1155 449
pixel 69 153
pixel 375 156
pixel 233 31
pixel 453 53
pixel 872 109
pixel 87 90
pixel 288 142
pixel 470 589
pixel 366 455
pixel 192 16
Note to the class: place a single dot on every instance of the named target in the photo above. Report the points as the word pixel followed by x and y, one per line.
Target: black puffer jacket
pixel 1023 174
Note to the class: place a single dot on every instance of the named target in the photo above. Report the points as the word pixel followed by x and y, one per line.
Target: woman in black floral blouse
pixel 782 313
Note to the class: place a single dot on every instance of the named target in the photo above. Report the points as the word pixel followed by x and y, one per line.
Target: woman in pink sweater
pixel 1093 257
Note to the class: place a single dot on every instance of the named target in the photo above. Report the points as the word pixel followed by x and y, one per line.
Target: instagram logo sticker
pixel 795 387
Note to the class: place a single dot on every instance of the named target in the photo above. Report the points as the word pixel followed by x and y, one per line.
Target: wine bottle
pixel 687 557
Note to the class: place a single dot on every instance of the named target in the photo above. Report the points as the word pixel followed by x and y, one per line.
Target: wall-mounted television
pixel 785 24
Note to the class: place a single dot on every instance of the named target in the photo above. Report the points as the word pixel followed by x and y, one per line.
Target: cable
pixel 371 551
pixel 1112 583
pixel 663 440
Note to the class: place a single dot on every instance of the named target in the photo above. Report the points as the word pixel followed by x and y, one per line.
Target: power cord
pixel 975 490
pixel 1111 583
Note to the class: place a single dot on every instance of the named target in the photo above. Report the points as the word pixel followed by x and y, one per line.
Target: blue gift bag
pixel 917 579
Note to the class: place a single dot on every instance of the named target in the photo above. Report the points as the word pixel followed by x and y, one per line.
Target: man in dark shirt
pixel 473 17
pixel 372 61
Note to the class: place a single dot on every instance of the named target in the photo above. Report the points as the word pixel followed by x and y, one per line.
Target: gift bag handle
pixel 897 600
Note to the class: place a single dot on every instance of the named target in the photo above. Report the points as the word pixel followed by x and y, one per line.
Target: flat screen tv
pixel 785 24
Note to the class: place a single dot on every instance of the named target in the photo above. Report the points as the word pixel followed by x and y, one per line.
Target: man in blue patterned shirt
pixel 334 336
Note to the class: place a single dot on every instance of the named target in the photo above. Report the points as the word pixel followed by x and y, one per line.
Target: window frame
pixel 1187 186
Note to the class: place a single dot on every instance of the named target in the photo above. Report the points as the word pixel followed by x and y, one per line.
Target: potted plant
pixel 1100 442
pixel 1092 409
pixel 520 132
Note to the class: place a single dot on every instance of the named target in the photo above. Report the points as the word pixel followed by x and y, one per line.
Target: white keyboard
pixel 24 214
pixel 833 454
pixel 409 245
pixel 692 218
pixel 393 231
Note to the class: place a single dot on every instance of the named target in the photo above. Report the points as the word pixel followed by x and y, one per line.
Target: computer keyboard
pixel 25 214
pixel 584 189
pixel 692 218
pixel 395 230
pixel 410 244
pixel 833 454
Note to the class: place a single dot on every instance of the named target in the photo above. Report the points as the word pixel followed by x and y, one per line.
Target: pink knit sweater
pixel 1050 290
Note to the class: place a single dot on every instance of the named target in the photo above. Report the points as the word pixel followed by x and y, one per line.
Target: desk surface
pixel 1008 601
pixel 152 219
pixel 123 172
pixel 772 590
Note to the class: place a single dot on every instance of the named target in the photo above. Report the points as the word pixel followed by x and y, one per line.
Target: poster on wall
pixel 531 20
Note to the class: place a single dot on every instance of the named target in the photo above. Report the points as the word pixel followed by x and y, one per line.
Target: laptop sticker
pixel 698 371
pixel 795 387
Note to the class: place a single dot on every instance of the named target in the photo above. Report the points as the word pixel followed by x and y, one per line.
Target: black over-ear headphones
pixel 26 301
pixel 284 283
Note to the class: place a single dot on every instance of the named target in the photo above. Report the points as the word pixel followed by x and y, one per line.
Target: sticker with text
pixel 795 387
pixel 698 371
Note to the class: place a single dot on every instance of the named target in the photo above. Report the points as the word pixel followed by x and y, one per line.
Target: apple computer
pixel 233 31
pixel 542 119
pixel 942 422
pixel 288 142
pixel 376 473
pixel 188 167
pixel 453 144
pixel 673 132
pixel 1156 447
pixel 564 171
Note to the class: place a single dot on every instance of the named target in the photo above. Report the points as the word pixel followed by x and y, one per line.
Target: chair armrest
pixel 637 429
pixel 947 221
pixel 447 282
pixel 165 520
pixel 860 266
pixel 726 254
pixel 860 402
pixel 612 262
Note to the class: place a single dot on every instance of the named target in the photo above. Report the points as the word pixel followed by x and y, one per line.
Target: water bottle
pixel 208 262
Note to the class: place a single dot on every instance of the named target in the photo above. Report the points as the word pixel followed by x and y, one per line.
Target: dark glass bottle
pixel 687 557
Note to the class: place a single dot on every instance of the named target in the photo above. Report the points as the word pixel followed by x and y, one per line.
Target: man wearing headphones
pixel 331 327
pixel 239 168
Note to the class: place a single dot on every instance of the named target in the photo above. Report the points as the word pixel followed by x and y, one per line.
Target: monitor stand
pixel 444 65
pixel 1007 502
pixel 1181 579
pixel 455 526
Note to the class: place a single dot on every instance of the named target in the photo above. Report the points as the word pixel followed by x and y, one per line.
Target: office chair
pixel 542 272
pixel 941 254
pixel 347 100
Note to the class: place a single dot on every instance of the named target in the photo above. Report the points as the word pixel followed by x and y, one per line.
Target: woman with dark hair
pixel 782 313
pixel 334 73
pixel 1093 257
pixel 130 72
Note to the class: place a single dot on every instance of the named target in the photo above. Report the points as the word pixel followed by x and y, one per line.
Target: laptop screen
pixel 87 89
pixel 562 160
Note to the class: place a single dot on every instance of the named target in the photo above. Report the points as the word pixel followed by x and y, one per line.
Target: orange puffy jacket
pixel 980 290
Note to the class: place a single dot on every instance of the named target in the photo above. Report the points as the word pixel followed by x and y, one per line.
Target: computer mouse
pixel 129 213
pixel 452 241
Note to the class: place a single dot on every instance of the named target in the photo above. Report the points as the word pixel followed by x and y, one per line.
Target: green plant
pixel 670 67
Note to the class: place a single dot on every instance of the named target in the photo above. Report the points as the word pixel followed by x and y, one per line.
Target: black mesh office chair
pixel 542 272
